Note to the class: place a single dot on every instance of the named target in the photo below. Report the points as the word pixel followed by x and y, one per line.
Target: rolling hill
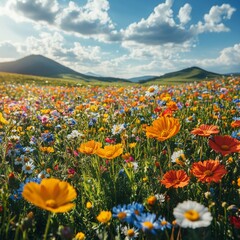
pixel 38 65
pixel 185 75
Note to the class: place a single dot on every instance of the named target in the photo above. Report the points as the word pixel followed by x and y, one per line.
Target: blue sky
pixel 124 38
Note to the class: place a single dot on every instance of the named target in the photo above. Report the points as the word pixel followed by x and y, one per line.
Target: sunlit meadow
pixel 131 162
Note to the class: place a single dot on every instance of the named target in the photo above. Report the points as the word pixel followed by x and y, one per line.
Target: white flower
pixel 130 233
pixel 178 157
pixel 160 198
pixel 74 134
pixel 28 167
pixel 117 128
pixel 153 90
pixel 191 214
pixel 43 174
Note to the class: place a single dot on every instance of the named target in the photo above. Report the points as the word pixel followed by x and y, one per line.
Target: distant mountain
pixel 93 74
pixel 36 65
pixel 39 65
pixel 141 78
pixel 186 75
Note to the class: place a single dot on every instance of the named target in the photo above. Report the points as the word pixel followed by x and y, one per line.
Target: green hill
pixel 38 65
pixel 186 75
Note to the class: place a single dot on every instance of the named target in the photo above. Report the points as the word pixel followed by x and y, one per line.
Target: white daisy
pixel 117 128
pixel 178 157
pixel 191 214
pixel 152 91
pixel 28 167
pixel 74 134
pixel 130 233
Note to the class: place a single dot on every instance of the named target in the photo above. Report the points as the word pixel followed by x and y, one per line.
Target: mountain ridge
pixel 38 65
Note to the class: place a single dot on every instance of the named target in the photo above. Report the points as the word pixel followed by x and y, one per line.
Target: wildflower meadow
pixel 120 162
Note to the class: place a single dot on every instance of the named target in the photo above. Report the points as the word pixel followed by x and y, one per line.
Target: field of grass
pixel 119 161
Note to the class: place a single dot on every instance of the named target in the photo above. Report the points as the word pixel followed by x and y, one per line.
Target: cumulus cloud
pixel 159 28
pixel 8 50
pixel 41 10
pixel 184 14
pixel 213 19
pixel 91 19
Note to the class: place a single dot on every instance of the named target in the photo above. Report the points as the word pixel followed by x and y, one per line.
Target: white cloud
pixel 230 56
pixel 213 20
pixel 159 28
pixel 8 50
pixel 40 10
pixel 91 19
pixel 184 14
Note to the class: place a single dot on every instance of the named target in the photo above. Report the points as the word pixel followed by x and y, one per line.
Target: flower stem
pixel 47 226
pixel 169 155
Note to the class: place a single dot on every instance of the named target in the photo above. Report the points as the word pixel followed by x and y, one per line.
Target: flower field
pixel 110 162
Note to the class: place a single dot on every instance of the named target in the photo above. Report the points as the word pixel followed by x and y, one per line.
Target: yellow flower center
pixel 28 168
pixel 136 212
pixel 51 203
pixel 130 232
pixel 163 223
pixel 192 215
pixel 164 133
pixel 122 215
pixel 208 173
pixel 177 181
pixel 225 147
pixel 151 89
pixel 148 225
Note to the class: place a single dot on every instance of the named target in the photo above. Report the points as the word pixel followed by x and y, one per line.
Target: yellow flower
pixel 52 195
pixel 132 145
pixel 110 151
pixel 89 205
pixel 80 236
pixel 3 120
pixel 104 216
pixel 238 182
pixel 89 147
pixel 47 149
pixel 163 128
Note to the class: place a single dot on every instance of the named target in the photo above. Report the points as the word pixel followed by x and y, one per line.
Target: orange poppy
pixel 235 124
pixel 224 144
pixel 163 128
pixel 52 195
pixel 205 130
pixel 110 151
pixel 89 147
pixel 175 179
pixel 208 171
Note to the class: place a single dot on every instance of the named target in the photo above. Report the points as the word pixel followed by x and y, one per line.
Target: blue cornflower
pixel 28 149
pixel 71 121
pixel 122 213
pixel 148 223
pixel 92 122
pixel 136 208
pixel 236 134
pixel 47 137
pixel 163 223
pixel 17 194
pixel 236 118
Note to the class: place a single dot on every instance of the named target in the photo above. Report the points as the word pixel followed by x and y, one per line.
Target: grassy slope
pixel 64 81
pixel 184 76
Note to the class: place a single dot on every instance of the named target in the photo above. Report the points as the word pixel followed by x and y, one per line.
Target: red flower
pixel 235 221
pixel 208 171
pixel 224 144
pixel 175 179
pixel 205 130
